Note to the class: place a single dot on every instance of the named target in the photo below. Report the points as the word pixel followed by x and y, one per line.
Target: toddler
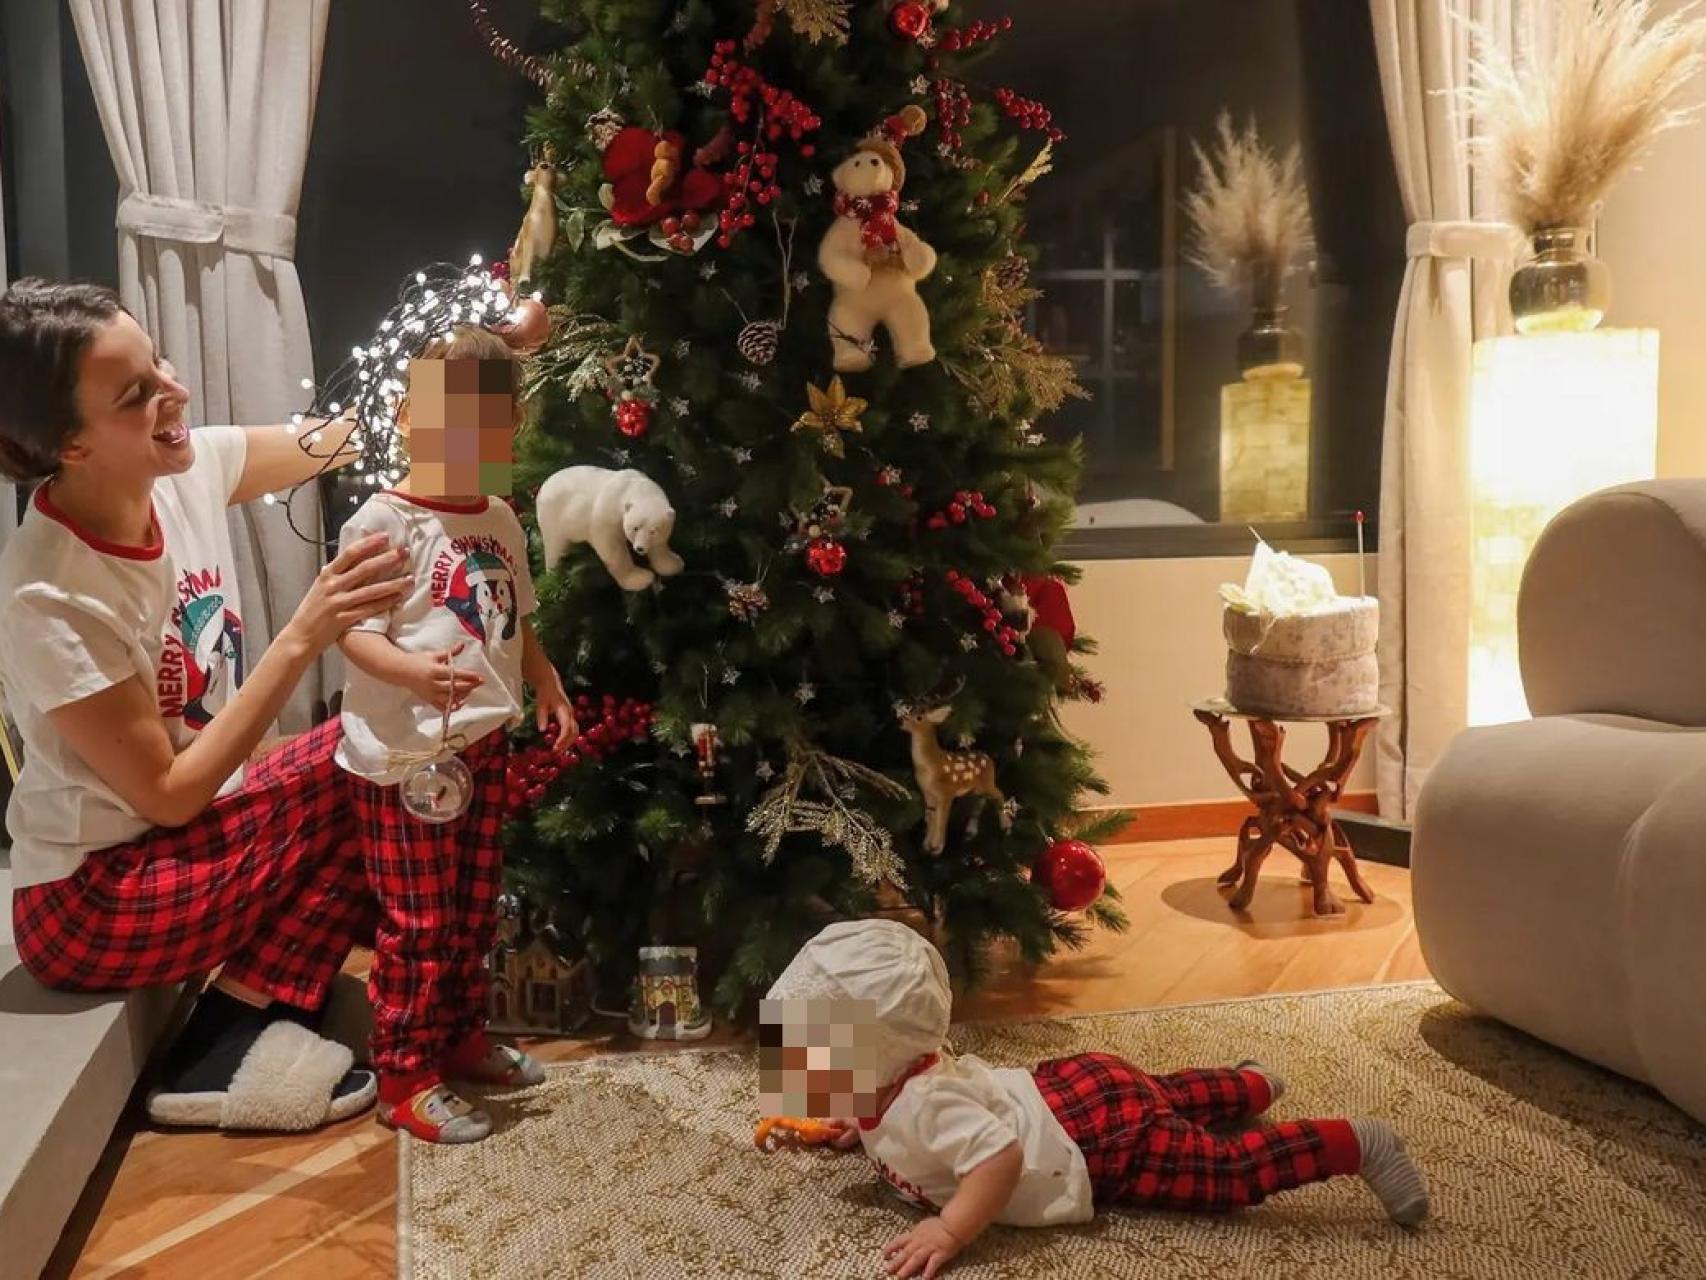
pixel 459 642
pixel 856 1026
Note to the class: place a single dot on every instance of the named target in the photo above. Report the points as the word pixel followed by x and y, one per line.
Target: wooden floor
pixel 322 1205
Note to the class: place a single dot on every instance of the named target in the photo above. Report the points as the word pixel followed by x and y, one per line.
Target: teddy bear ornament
pixel 873 262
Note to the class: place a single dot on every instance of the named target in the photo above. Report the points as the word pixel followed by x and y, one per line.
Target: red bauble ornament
pixel 1072 874
pixel 909 20
pixel 827 557
pixel 633 417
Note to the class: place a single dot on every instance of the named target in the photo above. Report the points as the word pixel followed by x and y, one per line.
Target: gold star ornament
pixel 832 412
pixel 633 366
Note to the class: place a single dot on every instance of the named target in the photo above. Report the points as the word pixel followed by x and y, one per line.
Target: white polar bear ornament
pixel 611 511
pixel 875 263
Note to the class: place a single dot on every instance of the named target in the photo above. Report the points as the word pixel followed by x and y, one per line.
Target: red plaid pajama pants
pixel 1144 1140
pixel 267 881
pixel 438 889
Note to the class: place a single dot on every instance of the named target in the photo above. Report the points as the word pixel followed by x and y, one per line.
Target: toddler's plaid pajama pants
pixel 267 881
pixel 1144 1140
pixel 438 888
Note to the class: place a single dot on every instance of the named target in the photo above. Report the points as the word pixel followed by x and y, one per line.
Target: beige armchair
pixel 1559 863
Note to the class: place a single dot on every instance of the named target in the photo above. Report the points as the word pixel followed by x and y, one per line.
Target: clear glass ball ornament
pixel 438 791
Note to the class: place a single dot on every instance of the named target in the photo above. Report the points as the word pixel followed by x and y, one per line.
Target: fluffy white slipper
pixel 284 1084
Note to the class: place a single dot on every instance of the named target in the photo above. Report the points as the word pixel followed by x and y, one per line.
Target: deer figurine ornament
pixel 945 776
pixel 538 232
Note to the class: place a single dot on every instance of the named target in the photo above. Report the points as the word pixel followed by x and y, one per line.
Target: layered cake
pixel 1295 647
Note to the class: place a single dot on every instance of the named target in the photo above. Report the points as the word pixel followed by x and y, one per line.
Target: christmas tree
pixel 856 516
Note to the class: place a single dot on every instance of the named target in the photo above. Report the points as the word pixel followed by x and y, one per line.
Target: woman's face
pixel 131 406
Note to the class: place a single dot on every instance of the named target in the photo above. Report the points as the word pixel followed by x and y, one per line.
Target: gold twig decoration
pixel 817 20
pixel 790 808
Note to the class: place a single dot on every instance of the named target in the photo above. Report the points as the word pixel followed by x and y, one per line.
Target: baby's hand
pixel 924 1251
pixel 432 678
pixel 846 1134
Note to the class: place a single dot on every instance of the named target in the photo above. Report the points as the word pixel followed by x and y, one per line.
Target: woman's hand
pixel 360 582
pixel 924 1251
pixel 434 679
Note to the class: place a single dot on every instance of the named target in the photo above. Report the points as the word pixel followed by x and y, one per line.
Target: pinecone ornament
pixel 759 341
pixel 1012 272
pixel 602 126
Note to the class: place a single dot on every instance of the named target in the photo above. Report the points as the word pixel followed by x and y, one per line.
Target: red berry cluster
pixel 534 768
pixel 966 503
pixel 956 39
pixel 826 556
pixel 633 417
pixel 680 231
pixel 1004 636
pixel 953 110
pixel 912 595
pixel 773 112
pixel 1029 113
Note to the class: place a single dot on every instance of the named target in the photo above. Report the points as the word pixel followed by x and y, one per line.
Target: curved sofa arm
pixel 1612 613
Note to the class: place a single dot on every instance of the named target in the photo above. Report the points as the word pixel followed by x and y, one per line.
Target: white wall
pixel 1158 624
pixel 1651 235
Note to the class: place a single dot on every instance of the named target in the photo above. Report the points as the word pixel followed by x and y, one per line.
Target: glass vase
pixel 1270 347
pixel 1563 288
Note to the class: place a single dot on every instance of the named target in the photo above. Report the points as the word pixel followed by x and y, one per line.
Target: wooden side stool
pixel 1292 809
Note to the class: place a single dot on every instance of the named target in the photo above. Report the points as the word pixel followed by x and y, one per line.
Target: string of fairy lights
pixel 371 385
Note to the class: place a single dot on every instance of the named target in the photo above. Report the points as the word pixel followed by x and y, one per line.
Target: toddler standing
pixel 442 673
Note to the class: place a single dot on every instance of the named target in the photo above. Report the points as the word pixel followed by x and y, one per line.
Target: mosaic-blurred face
pixel 816 1058
pixel 461 427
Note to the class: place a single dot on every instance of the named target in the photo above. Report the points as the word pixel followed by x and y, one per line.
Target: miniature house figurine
pixel 536 989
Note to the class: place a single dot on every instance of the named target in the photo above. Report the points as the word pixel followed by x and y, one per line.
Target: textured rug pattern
pixel 642 1166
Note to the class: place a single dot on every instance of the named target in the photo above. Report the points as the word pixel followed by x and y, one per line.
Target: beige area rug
pixel 643 1165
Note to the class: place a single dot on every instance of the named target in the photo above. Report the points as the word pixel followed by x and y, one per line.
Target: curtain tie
pixel 1464 239
pixel 242 230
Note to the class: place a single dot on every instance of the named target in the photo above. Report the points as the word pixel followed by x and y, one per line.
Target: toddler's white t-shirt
pixel 83 615
pixel 949 1119
pixel 472 586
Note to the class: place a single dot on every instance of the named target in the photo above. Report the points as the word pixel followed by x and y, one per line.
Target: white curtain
pixel 8 493
pixel 1454 292
pixel 207 106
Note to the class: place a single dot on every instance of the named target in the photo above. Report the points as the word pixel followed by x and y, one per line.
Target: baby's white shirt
pixel 950 1118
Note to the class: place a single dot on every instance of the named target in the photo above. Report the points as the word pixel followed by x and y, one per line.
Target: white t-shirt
pixel 83 615
pixel 949 1119
pixel 472 586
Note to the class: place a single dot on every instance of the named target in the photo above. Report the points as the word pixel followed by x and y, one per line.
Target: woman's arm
pixel 119 733
pixel 278 461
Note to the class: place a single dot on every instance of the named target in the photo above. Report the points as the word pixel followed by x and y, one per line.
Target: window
pixel 1134 83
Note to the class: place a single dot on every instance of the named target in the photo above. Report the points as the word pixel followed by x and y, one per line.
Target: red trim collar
pixel 44 504
pixel 916 1069
pixel 436 504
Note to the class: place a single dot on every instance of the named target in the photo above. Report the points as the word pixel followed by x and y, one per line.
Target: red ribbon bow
pixel 876 215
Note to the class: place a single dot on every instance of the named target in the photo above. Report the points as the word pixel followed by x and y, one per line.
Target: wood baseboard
pixel 1154 822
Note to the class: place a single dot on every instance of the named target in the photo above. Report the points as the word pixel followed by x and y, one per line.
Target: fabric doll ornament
pixel 612 511
pixel 873 261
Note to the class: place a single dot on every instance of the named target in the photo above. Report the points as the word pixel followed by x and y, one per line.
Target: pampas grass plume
pixel 1249 213
pixel 1555 128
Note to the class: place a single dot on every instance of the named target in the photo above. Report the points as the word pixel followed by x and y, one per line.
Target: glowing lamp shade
pixel 1264 449
pixel 1553 418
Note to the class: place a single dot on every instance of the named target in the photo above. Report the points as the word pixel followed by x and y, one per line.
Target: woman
pixel 144 849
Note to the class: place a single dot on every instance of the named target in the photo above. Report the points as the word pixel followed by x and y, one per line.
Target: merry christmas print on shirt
pixel 201 660
pixel 475 579
pixel 904 1189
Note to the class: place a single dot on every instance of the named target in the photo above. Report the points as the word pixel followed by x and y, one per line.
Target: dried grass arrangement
pixel 1249 213
pixel 1559 121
